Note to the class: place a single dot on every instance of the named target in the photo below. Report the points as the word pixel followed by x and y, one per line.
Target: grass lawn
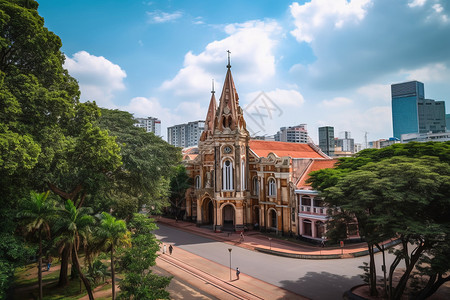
pixel 26 285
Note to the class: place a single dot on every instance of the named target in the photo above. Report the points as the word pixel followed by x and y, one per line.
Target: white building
pixel 294 134
pixel 185 135
pixel 426 137
pixel 150 124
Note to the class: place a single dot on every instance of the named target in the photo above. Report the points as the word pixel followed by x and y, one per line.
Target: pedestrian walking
pixel 49 263
pixel 164 249
pixel 241 237
pixel 170 249
pixel 237 273
pixel 322 242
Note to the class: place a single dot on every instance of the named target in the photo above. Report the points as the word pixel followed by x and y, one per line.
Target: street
pixel 316 279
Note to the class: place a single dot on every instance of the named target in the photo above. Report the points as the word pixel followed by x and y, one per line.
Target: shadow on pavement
pixel 322 285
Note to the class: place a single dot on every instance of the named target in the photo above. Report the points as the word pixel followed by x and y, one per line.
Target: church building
pixel 240 183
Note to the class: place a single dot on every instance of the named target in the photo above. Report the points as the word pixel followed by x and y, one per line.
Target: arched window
pixel 197 182
pixel 227 176
pixel 272 187
pixel 243 181
pixel 255 185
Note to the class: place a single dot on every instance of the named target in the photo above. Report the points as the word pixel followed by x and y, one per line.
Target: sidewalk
pixel 214 278
pixel 256 241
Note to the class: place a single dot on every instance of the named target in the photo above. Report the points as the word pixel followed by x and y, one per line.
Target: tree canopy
pixel 87 156
pixel 401 192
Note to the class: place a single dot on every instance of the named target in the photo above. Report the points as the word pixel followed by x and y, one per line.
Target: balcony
pixel 313 210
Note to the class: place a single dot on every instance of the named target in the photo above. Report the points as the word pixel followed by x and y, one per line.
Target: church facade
pixel 240 183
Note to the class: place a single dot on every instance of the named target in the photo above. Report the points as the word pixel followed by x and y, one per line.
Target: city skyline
pixel 324 63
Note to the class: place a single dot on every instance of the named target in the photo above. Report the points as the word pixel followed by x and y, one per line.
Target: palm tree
pixel 114 233
pixel 36 218
pixel 74 227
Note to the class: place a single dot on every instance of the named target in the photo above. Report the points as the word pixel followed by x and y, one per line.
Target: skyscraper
pixel 326 140
pixel 412 113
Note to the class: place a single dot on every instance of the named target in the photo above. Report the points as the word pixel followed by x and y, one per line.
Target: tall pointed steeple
pixel 229 113
pixel 210 117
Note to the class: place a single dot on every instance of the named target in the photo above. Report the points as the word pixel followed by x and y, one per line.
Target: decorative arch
pixel 320 229
pixel 307 227
pixel 227 175
pixel 207 211
pixel 272 218
pixel 271 187
pixel 197 182
pixel 255 185
pixel 228 211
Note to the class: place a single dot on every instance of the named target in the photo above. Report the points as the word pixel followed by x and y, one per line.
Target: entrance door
pixel 228 217
pixel 208 212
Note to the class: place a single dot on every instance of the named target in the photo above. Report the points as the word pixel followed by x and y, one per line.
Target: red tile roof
pixel 317 164
pixel 293 150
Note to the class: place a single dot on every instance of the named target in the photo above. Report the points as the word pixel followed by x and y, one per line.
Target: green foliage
pixel 365 276
pixel 179 183
pixel 148 163
pixel 139 282
pixel 98 270
pixel 399 191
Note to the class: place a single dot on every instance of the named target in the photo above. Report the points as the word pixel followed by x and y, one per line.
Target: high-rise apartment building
pixel 412 113
pixel 294 134
pixel 149 124
pixel 326 140
pixel 345 142
pixel 185 135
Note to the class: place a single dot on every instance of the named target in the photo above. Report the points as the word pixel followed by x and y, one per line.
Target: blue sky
pixel 320 62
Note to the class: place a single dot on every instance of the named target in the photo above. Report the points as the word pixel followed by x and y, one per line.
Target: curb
pixel 298 256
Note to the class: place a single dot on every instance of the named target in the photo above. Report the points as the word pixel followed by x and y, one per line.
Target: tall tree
pixel 48 139
pixel 114 234
pixel 139 281
pixel 179 183
pixel 36 217
pixel 396 197
pixel 73 228
pixel 148 163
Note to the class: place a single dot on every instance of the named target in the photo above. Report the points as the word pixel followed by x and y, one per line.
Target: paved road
pixel 316 279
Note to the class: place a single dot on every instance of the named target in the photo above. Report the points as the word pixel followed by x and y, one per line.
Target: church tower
pixel 222 180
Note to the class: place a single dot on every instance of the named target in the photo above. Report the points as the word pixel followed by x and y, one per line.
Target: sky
pixel 317 62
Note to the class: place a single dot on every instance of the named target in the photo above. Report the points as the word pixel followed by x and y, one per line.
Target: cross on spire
pixel 229 65
pixel 212 91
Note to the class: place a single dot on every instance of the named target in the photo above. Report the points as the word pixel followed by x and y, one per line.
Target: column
pixel 313 228
pixel 199 211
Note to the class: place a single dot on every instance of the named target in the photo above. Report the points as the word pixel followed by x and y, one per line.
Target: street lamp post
pixel 270 243
pixel 229 250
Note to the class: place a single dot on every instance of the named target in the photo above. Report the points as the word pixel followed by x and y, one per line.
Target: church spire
pixel 229 114
pixel 210 116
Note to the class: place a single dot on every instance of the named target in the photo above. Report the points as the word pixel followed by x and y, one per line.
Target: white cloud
pixel 324 14
pixel 280 97
pixel 163 17
pixel 357 43
pixel 251 45
pixel 98 77
pixel 375 93
pixel 430 73
pixel 417 3
pixel 336 102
